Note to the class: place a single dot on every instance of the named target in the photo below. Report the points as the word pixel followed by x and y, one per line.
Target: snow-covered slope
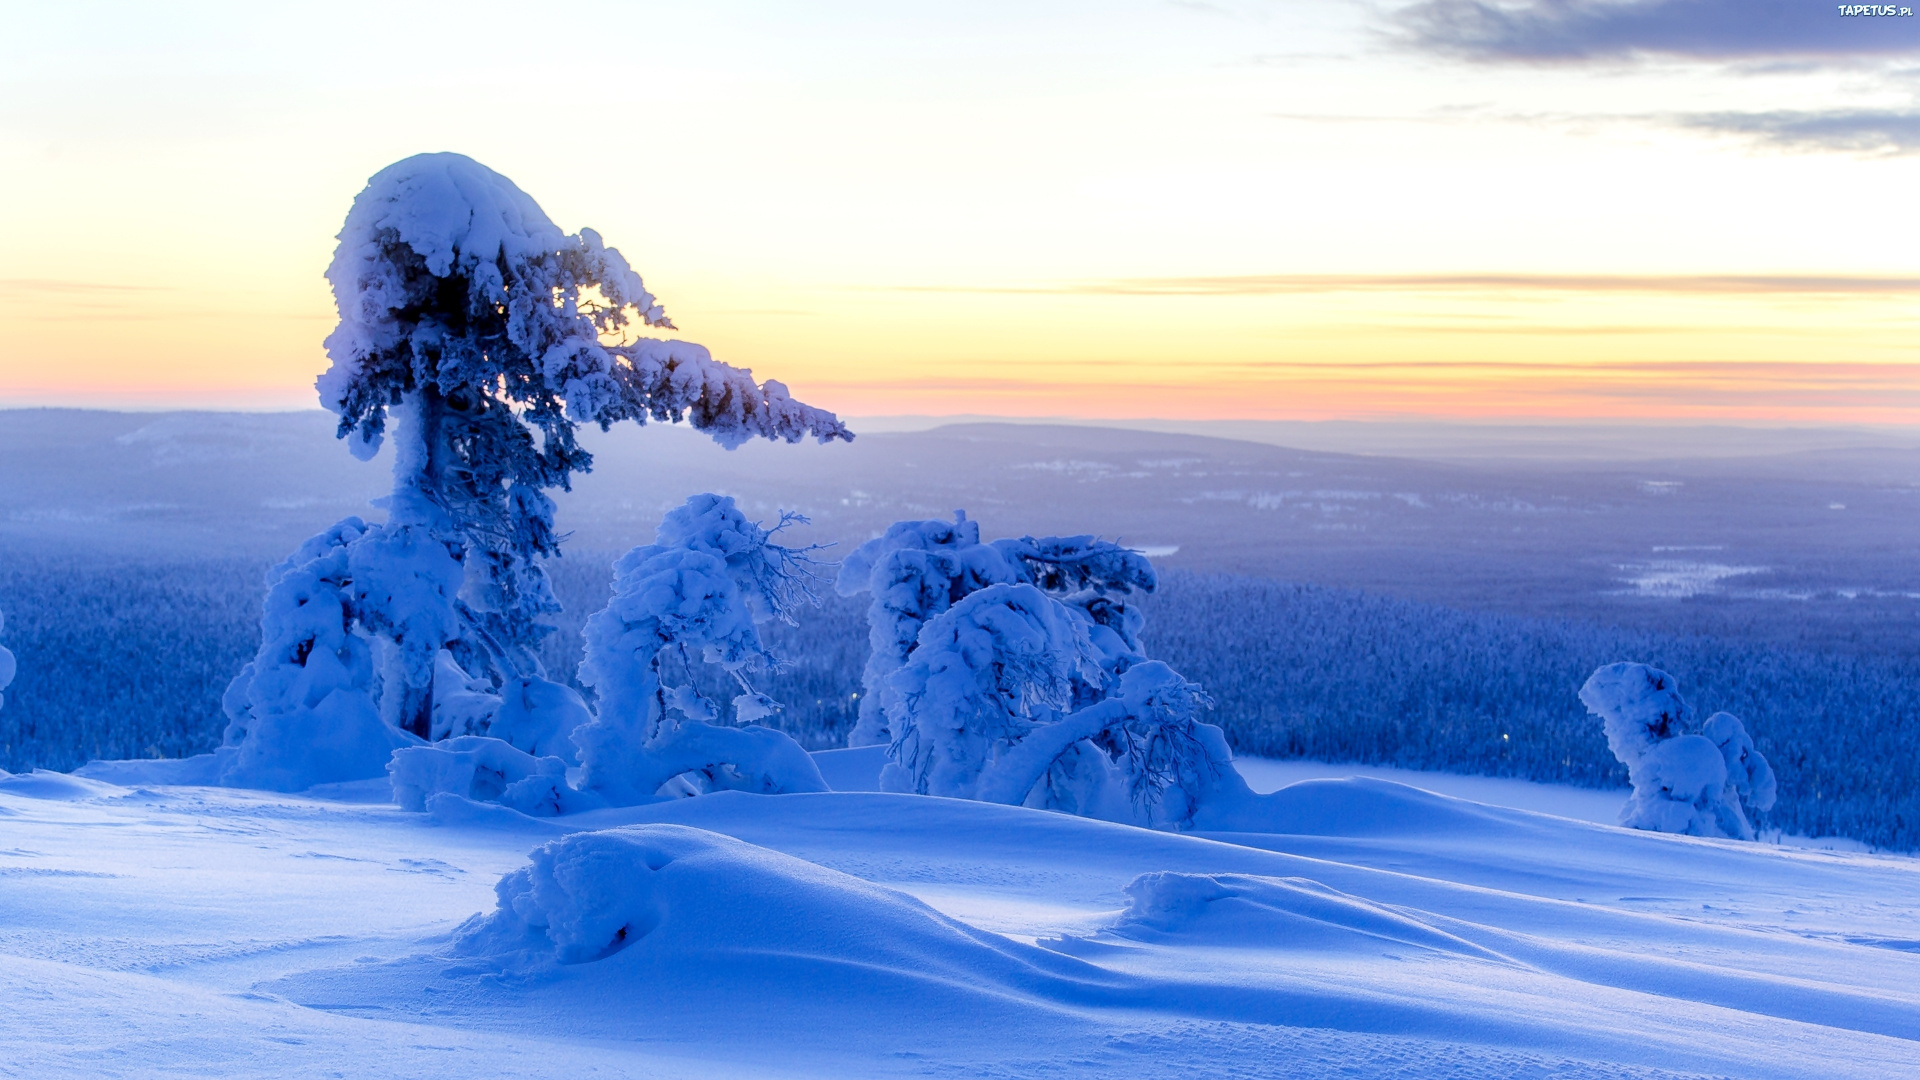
pixel 1383 930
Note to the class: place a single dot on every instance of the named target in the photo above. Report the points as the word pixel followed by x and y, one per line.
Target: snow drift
pixel 1300 913
pixel 670 895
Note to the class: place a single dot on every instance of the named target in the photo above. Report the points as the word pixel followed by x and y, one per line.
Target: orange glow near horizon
pixel 1144 211
pixel 1826 351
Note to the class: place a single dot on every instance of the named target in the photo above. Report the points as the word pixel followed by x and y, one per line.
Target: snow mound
pixel 46 784
pixel 1355 806
pixel 670 896
pixel 1240 911
pixel 200 769
pixel 855 768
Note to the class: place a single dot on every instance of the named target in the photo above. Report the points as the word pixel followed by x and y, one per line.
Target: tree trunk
pixel 416 710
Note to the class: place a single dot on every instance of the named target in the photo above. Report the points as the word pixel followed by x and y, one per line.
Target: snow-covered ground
pixel 1378 930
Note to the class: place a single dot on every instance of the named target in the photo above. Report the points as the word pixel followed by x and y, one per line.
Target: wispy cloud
pixel 42 286
pixel 1797 391
pixel 1869 131
pixel 1285 284
pixel 1873 132
pixel 1578 30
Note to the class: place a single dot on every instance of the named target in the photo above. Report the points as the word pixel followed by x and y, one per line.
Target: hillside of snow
pixel 1376 930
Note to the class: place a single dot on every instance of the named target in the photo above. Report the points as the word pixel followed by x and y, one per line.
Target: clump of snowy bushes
pixel 489 335
pixel 1687 778
pixel 1013 672
pixel 694 596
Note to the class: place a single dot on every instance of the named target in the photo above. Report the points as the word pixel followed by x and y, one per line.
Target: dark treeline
pixel 1301 671
pixel 121 659
pixel 129 661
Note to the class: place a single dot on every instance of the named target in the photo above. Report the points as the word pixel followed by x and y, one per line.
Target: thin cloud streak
pixel 41 286
pixel 1589 30
pixel 1887 132
pixel 1903 377
pixel 1288 284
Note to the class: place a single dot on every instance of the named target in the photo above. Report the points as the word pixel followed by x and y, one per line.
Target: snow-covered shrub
pixel 303 711
pixel 1013 672
pixel 490 335
pixel 1750 780
pixel 6 664
pixel 1686 779
pixel 984 673
pixel 918 569
pixel 695 594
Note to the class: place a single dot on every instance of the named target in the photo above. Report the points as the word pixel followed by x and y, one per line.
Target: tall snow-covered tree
pixel 478 336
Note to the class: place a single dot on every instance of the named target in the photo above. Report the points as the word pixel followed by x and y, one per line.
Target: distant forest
pixel 128 659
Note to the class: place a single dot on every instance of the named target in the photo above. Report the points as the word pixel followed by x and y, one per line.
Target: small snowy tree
pixel 490 335
pixel 1012 671
pixel 6 664
pixel 918 569
pixel 302 712
pixel 1686 779
pixel 1006 700
pixel 695 595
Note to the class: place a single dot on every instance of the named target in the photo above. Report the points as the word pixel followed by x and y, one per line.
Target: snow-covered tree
pixel 1005 699
pixel 1012 671
pixel 6 664
pixel 1750 780
pixel 1686 779
pixel 303 712
pixel 695 595
pixel 489 335
pixel 918 569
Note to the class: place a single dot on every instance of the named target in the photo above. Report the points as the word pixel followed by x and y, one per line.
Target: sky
pixel 1665 210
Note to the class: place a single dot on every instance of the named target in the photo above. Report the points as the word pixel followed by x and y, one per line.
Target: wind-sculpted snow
pixel 1238 910
pixel 235 933
pixel 678 895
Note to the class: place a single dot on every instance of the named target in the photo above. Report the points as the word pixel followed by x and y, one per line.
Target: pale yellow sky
pixel 1291 210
